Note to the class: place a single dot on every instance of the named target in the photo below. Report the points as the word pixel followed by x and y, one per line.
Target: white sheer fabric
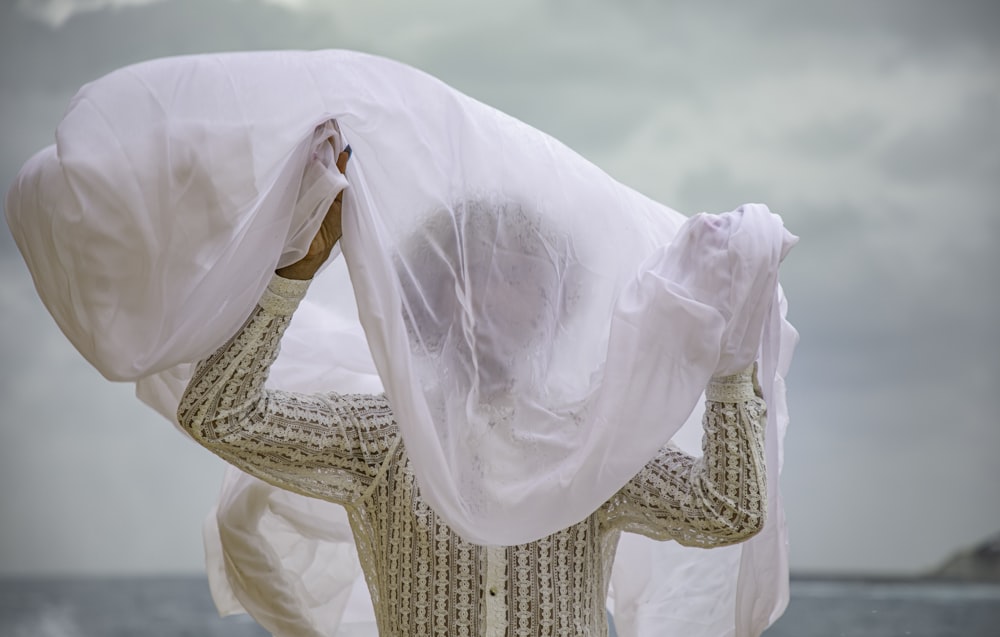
pixel 540 329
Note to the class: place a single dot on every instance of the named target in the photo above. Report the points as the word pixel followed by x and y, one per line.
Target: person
pixel 425 579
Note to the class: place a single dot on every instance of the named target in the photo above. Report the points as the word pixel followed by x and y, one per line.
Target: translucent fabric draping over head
pixel 540 329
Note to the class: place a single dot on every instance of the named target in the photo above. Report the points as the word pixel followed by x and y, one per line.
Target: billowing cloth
pixel 540 329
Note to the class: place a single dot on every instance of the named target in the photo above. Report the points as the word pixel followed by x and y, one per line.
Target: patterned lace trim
pixel 282 295
pixel 730 392
pixel 734 388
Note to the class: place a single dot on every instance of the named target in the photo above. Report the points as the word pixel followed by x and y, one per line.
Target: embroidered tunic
pixel 424 579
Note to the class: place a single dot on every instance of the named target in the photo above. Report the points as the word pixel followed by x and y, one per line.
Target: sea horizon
pixel 178 605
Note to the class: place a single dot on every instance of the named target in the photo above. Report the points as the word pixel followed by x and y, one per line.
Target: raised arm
pixel 714 500
pixel 322 445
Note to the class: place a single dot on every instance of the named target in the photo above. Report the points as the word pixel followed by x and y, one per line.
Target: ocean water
pixel 119 607
pixel 889 608
pixel 182 607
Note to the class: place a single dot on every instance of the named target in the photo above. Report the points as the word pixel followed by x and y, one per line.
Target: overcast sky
pixel 873 128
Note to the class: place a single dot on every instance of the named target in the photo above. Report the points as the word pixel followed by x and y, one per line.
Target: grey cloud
pixel 879 453
pixel 104 482
pixel 716 188
pixel 836 137
pixel 924 28
pixel 55 13
pixel 929 273
pixel 133 34
pixel 874 324
pixel 966 146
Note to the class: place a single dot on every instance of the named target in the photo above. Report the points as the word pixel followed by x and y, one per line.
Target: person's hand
pixel 327 237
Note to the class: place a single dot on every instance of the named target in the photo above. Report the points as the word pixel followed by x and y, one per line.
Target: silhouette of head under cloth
pixel 486 287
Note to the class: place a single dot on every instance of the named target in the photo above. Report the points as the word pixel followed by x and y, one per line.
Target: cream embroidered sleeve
pixel 714 500
pixel 322 445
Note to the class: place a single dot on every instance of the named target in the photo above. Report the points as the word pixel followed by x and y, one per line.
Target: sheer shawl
pixel 540 329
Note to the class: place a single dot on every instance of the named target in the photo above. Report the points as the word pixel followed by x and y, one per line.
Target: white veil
pixel 540 329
